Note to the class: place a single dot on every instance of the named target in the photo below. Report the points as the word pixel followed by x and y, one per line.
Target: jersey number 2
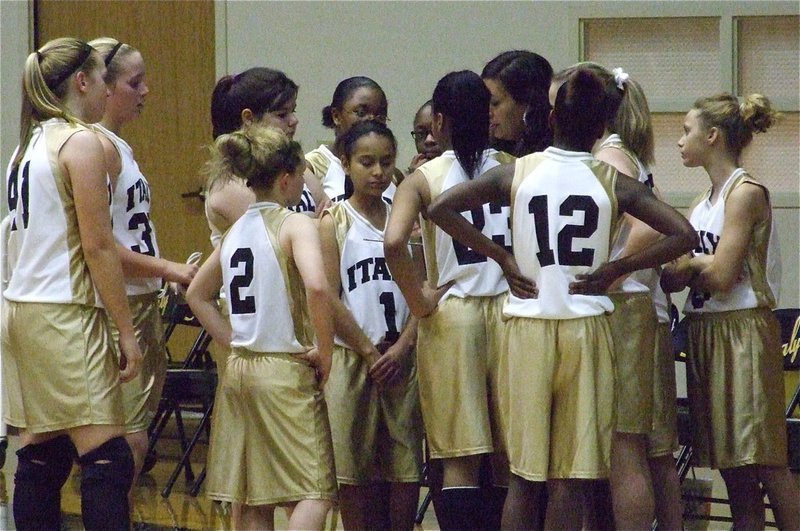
pixel 239 304
pixel 566 256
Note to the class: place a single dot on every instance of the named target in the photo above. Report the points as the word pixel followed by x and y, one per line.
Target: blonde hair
pixel 736 121
pixel 44 84
pixel 256 153
pixel 633 123
pixel 628 113
pixel 104 46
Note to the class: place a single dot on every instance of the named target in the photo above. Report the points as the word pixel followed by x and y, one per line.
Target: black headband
pixel 112 53
pixel 86 51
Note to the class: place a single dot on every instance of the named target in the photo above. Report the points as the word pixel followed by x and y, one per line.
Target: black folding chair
pixel 190 385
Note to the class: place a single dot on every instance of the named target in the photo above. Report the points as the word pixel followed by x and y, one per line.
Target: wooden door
pixel 176 39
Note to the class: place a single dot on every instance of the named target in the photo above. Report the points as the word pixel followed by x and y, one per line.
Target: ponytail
pixel 463 99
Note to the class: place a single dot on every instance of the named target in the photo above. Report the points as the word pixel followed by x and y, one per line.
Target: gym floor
pixel 181 511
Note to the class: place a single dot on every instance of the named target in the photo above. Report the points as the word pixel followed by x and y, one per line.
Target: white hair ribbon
pixel 620 76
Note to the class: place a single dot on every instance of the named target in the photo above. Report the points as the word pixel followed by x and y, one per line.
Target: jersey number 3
pixel 566 256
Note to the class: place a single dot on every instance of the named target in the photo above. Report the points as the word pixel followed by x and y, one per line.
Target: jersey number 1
pixel 389 313
pixel 566 256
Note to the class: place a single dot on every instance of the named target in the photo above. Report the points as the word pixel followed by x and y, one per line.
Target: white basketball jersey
pixel 44 245
pixel 266 297
pixel 447 259
pixel 130 213
pixel 564 212
pixel 368 290
pixel 328 168
pixel 759 283
pixel 644 279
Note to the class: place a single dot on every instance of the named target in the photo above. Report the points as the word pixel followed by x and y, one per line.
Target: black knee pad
pixel 50 461
pixel 106 477
pixel 42 470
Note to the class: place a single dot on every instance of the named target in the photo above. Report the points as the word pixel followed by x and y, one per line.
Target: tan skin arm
pixel 492 186
pixel 299 238
pixel 137 265
pixel 82 160
pixel 345 324
pixel 112 158
pixel 745 207
pixel 638 200
pixel 202 299
pixel 228 201
pixel 410 200
pixel 641 235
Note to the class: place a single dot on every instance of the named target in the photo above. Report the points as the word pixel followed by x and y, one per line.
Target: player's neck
pixel 270 196
pixel 115 126
pixel 372 208
pixel 719 168
pixel 568 145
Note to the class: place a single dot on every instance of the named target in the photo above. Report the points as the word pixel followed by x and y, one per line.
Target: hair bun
pixel 757 113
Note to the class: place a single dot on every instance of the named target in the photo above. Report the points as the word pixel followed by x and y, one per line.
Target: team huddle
pixel 505 299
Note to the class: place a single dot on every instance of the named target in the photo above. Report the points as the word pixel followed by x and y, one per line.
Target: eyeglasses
pixel 421 135
pixel 363 114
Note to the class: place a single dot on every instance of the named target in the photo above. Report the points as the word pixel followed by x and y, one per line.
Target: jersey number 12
pixel 566 256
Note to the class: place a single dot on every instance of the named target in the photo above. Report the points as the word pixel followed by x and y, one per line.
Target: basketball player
pixel 565 206
pixel 519 81
pixel 133 229
pixel 257 95
pixel 734 365
pixel 644 442
pixel 272 445
pixel 356 99
pixel 427 148
pixel 61 372
pixel 372 393
pixel 459 356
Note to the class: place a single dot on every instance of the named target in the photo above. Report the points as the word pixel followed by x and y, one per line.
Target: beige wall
pixel 407 47
pixel 15 46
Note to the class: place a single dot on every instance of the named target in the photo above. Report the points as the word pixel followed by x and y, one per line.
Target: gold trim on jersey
pixel 81 283
pixel 273 221
pixel 318 163
pixel 342 222
pixel 435 172
pixel 614 144
pixel 757 249
pixel 607 177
